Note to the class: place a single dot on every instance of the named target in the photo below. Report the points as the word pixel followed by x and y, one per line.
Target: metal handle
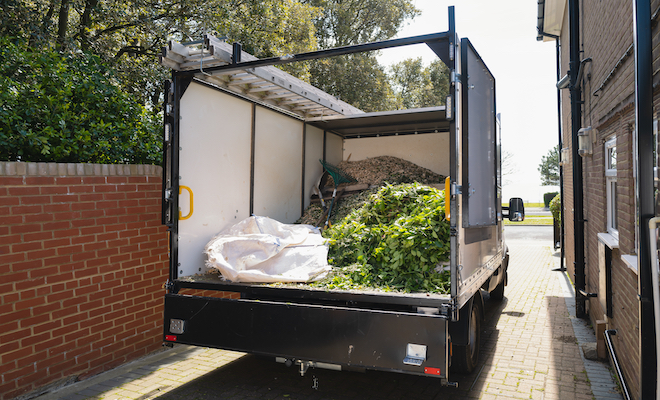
pixel 447 198
pixel 181 187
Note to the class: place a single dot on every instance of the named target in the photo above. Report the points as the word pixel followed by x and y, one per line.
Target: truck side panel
pixel 334 148
pixel 481 254
pixel 215 165
pixel 278 160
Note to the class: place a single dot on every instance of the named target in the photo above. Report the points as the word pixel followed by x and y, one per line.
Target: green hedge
pixel 547 197
pixel 555 208
pixel 68 108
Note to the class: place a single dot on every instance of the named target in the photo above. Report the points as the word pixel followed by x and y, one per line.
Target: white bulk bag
pixel 260 249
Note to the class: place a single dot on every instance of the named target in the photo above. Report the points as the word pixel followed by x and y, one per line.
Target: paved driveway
pixel 530 350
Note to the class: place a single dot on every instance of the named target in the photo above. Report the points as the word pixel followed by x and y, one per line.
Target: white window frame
pixel 611 187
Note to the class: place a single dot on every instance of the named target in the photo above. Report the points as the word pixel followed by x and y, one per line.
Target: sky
pixel 504 35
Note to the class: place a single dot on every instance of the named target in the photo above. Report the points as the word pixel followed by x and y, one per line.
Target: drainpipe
pixel 644 193
pixel 562 250
pixel 561 145
pixel 576 124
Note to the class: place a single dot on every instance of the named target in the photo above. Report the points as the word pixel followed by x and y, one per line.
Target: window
pixel 610 187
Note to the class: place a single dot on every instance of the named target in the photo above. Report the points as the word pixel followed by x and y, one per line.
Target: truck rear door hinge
pixel 456 189
pixel 169 286
pixel 455 77
pixel 446 311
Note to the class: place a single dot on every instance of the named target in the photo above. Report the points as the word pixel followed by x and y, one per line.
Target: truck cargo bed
pixel 306 293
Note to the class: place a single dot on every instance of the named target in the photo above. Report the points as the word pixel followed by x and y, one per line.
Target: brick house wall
pixel 606 34
pixel 83 257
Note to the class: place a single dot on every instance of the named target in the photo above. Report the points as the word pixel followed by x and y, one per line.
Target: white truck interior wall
pixel 215 131
pixel 313 153
pixel 429 150
pixel 277 165
pixel 333 148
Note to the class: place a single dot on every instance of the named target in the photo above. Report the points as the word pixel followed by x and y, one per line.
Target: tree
pixel 509 166
pixel 128 36
pixel 549 168
pixel 118 43
pixel 349 22
pixel 72 56
pixel 338 76
pixel 346 22
pixel 69 108
pixel 418 86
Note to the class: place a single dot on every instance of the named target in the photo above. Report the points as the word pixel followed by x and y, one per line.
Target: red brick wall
pixel 83 256
pixel 624 280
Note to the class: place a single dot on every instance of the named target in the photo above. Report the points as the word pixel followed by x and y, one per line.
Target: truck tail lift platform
pixel 242 137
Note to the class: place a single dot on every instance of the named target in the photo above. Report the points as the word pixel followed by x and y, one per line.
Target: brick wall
pixel 624 280
pixel 83 256
pixel 606 34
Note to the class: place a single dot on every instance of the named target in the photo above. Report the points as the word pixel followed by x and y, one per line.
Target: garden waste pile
pixel 392 236
pixel 398 240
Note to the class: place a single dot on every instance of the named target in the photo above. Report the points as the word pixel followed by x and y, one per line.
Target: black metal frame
pixel 443 44
pixel 338 51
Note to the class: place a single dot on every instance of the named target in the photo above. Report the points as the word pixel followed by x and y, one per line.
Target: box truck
pixel 242 138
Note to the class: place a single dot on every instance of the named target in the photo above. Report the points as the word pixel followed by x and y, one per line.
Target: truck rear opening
pixel 244 138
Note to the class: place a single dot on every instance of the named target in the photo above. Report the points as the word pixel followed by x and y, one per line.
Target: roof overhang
pixel 550 18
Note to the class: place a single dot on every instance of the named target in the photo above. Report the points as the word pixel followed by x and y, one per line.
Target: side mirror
pixel 516 210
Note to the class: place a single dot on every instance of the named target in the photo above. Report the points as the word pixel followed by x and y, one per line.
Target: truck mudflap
pixel 372 339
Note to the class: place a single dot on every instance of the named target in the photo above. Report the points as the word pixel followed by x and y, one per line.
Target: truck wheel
pixel 498 293
pixel 464 358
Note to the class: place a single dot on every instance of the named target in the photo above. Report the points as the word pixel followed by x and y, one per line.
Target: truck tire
pixel 464 358
pixel 498 293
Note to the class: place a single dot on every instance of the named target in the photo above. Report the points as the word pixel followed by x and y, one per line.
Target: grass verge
pixel 532 220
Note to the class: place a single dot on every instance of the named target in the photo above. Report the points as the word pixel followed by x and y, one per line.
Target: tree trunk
pixel 63 23
pixel 86 22
pixel 44 32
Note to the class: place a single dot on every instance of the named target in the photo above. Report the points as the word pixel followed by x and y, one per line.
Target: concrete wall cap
pixel 14 168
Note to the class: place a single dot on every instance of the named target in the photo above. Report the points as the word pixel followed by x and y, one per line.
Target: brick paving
pixel 530 350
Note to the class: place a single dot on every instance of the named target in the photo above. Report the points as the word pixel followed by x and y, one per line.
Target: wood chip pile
pixel 393 170
pixel 372 174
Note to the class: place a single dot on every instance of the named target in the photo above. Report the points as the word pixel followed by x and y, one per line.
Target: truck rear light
pixel 432 371
pixel 170 338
